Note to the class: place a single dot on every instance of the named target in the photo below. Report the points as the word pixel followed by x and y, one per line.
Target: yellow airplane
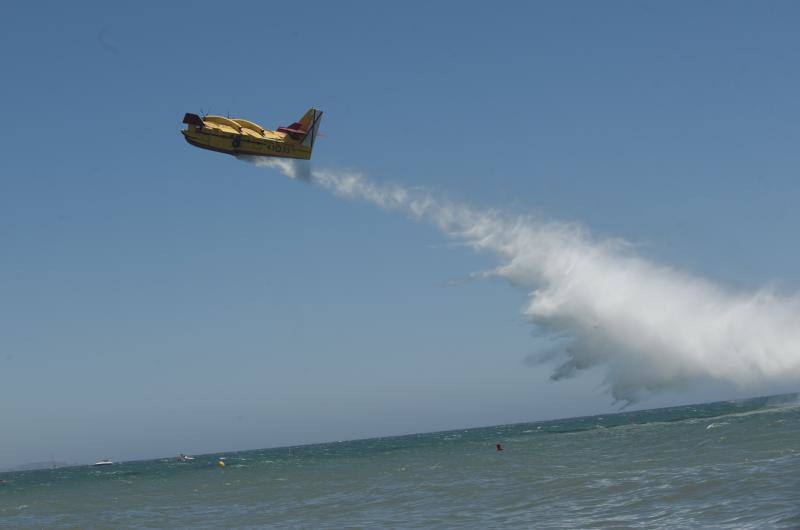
pixel 242 137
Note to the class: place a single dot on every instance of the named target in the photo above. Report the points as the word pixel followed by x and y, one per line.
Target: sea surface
pixel 717 465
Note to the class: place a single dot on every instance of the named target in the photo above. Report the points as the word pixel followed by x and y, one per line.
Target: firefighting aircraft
pixel 241 137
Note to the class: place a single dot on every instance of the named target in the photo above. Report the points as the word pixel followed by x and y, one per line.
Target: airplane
pixel 241 137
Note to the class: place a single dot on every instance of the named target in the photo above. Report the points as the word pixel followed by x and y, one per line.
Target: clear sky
pixel 156 299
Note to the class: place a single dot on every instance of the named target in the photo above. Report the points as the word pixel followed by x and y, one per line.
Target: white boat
pixel 104 462
pixel 184 458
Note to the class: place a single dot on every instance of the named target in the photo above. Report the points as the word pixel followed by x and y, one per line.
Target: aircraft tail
pixel 305 130
pixel 310 122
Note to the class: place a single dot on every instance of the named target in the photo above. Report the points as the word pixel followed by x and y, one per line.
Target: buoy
pixel 499 447
pixel 221 463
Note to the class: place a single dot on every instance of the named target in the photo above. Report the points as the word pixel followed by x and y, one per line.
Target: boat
pixel 103 462
pixel 184 458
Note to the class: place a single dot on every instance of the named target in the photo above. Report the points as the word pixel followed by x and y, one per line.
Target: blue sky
pixel 158 299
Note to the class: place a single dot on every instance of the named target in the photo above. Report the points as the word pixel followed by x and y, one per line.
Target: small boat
pixel 104 462
pixel 184 458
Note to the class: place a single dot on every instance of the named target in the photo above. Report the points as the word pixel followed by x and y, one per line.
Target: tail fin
pixel 306 129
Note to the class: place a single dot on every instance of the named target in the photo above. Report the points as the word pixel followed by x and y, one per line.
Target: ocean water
pixel 717 465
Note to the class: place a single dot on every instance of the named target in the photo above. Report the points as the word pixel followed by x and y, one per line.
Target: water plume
pixel 649 326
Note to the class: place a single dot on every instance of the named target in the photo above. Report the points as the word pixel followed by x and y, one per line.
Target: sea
pixel 733 464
